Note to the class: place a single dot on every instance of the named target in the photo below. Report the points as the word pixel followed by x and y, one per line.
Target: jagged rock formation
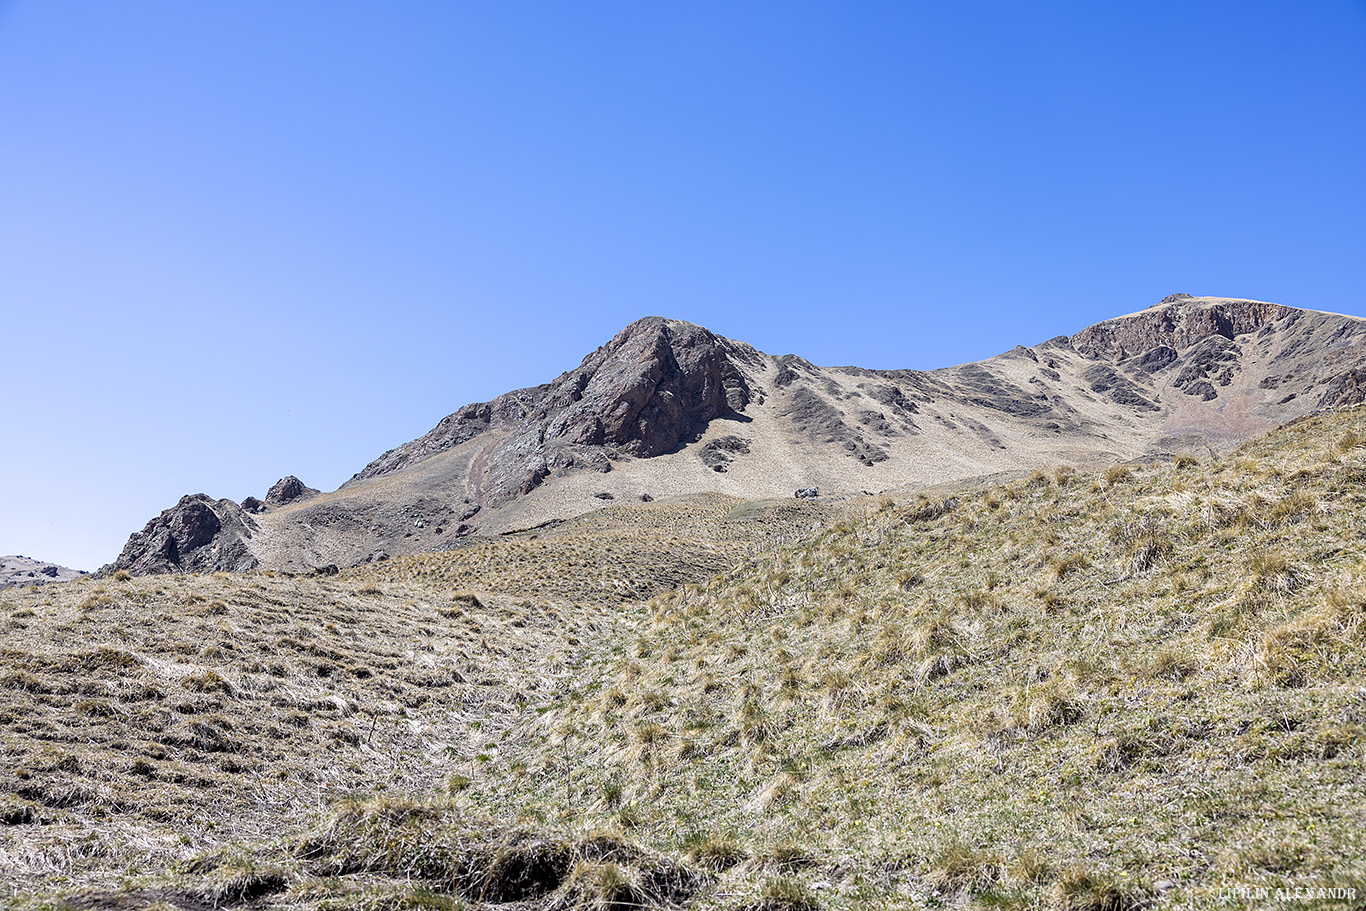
pixel 16 570
pixel 647 392
pixel 287 490
pixel 198 534
pixel 668 408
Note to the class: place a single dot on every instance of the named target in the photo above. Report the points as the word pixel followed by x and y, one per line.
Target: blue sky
pixel 242 240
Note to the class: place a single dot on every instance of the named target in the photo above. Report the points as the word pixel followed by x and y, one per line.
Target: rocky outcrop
pixel 198 534
pixel 718 453
pixel 508 410
pixel 1179 322
pixel 287 490
pixel 1346 389
pixel 649 391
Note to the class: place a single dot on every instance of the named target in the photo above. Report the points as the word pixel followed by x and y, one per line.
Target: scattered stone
pixel 821 422
pixel 1155 359
pixel 716 454
pixel 981 386
pixel 807 493
pixel 1213 358
pixel 786 375
pixel 646 498
pixel 1347 388
pixel 604 496
pixel 329 569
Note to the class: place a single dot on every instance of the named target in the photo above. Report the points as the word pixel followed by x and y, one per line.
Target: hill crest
pixel 667 408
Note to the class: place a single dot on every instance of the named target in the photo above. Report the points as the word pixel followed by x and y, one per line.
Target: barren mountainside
pixel 668 409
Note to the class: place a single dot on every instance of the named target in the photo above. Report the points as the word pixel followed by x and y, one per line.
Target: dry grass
pixel 150 719
pixel 1073 703
pixel 1075 692
pixel 616 554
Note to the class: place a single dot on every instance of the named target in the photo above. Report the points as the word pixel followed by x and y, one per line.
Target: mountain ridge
pixel 667 408
pixel 16 570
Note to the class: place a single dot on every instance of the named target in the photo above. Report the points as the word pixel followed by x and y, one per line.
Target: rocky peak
pixel 1178 322
pixel 647 391
pixel 287 490
pixel 650 390
pixel 198 534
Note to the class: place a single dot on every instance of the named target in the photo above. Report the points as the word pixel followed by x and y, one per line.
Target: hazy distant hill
pixel 669 409
pixel 15 570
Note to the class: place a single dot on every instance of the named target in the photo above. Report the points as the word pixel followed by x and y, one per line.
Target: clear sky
pixel 240 240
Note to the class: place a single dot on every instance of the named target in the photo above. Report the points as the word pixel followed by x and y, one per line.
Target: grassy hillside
pixel 145 720
pixel 618 553
pixel 1089 691
pixel 1142 687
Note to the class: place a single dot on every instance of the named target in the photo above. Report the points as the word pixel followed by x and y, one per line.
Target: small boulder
pixel 807 493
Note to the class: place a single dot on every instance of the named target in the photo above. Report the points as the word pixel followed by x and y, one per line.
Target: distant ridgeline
pixel 668 409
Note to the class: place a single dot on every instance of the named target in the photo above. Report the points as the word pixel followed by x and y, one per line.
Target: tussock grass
pixel 620 553
pixel 1064 707
pixel 1076 691
pixel 195 711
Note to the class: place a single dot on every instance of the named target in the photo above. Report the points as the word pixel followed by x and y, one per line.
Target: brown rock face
pixel 198 534
pixel 653 387
pixel 650 390
pixel 1347 389
pixel 1177 324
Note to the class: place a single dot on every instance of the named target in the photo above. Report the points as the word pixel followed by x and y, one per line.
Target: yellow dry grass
pixel 1143 687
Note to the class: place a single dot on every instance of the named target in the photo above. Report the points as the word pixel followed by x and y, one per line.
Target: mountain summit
pixel 652 389
pixel 667 408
